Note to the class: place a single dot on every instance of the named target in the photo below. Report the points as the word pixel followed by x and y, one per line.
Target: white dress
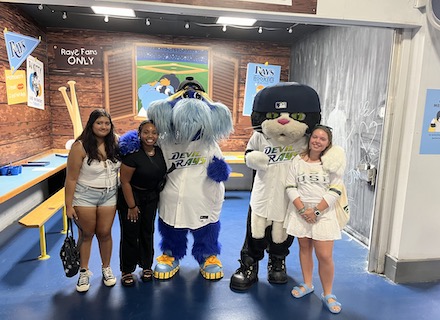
pixel 311 183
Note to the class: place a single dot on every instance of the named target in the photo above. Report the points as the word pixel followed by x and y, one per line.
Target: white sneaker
pixel 108 277
pixel 83 283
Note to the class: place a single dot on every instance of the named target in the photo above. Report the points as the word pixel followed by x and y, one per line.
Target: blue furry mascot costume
pixel 189 126
pixel 281 116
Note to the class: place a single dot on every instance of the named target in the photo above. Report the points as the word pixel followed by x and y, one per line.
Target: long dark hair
pixel 89 141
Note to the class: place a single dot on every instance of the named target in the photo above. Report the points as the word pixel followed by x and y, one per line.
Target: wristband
pixel 301 211
pixel 132 207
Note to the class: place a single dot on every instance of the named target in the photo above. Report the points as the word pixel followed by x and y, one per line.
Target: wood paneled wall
pixel 25 131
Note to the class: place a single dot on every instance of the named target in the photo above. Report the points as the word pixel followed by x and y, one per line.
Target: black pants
pixel 254 248
pixel 136 246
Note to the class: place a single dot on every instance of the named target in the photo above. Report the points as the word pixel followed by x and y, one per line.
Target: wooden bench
pixel 236 175
pixel 37 217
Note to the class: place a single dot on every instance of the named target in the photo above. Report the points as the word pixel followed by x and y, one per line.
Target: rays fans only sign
pixel 70 55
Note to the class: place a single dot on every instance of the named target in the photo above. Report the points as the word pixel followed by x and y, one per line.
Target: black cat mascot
pixel 282 116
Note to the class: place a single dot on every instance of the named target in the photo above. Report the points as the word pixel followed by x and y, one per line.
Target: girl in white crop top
pixel 99 174
pixel 90 192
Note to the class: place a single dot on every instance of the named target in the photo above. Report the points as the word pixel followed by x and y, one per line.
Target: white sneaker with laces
pixel 83 283
pixel 108 277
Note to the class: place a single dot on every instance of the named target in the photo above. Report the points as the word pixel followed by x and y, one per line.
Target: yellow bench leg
pixel 44 254
pixel 64 231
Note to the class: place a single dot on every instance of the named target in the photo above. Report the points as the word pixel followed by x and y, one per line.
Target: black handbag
pixel 69 252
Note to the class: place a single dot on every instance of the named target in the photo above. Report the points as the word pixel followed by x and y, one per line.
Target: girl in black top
pixel 141 173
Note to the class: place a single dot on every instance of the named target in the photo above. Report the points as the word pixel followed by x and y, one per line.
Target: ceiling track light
pixel 148 22
pixel 290 30
pixel 260 30
pixel 64 16
pixel 224 28
pixel 106 19
pixel 40 7
pixel 186 25
pixel 111 11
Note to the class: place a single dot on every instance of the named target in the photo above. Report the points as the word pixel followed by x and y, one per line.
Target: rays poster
pixel 430 143
pixel 35 82
pixel 258 76
pixel 160 70
pixel 16 86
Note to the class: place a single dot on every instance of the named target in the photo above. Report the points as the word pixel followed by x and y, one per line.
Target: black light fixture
pixel 187 25
pixel 64 16
pixel 40 7
pixel 148 22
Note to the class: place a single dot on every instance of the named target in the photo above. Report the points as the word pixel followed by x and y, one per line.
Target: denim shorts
pixel 94 197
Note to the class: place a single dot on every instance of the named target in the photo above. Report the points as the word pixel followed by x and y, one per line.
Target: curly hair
pixel 89 140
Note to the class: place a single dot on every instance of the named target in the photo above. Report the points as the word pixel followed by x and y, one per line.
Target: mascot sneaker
pixel 276 270
pixel 212 268
pixel 245 276
pixel 166 267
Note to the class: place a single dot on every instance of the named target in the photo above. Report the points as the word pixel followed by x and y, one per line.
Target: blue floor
pixel 33 289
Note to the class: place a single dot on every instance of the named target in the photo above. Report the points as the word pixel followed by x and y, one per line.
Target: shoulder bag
pixel 342 208
pixel 69 252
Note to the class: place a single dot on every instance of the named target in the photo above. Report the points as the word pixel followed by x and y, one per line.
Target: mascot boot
pixel 276 270
pixel 246 275
pixel 166 267
pixel 211 268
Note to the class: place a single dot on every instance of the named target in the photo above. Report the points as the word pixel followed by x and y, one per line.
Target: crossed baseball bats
pixel 72 107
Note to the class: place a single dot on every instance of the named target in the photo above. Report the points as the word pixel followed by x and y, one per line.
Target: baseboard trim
pixel 411 271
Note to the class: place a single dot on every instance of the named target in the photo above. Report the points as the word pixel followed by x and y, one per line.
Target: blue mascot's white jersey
pixel 191 199
pixel 268 197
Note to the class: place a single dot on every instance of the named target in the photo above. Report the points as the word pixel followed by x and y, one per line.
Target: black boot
pixel 246 275
pixel 276 270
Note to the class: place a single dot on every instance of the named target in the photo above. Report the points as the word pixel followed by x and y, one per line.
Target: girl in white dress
pixel 312 192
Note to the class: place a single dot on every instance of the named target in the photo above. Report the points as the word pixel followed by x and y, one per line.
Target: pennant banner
pixel 19 47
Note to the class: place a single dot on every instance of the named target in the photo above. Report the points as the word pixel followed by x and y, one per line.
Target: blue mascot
pixel 282 115
pixel 190 126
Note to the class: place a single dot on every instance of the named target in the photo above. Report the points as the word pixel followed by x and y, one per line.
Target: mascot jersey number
pixel 281 116
pixel 190 125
